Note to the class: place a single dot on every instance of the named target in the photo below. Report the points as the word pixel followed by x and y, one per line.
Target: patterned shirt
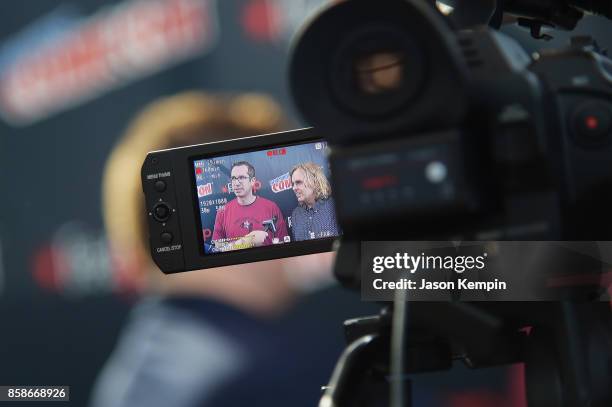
pixel 316 222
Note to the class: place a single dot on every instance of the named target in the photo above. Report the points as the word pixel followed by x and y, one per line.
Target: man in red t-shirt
pixel 248 220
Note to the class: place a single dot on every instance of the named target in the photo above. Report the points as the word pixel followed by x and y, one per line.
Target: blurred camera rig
pixel 443 128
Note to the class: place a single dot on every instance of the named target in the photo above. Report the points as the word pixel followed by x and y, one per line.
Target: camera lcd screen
pixel 266 197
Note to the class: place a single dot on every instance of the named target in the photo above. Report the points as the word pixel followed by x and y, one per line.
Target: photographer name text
pixel 460 284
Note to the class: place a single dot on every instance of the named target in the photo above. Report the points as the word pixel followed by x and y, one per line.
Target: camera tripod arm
pixel 352 363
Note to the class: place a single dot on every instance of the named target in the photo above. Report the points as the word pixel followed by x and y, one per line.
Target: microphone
pixel 270 224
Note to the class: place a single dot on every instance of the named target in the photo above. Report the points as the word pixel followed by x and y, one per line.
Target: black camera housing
pixel 176 242
pixel 443 129
pixel 525 142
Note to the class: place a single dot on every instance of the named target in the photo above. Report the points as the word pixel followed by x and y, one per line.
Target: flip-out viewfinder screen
pixel 266 197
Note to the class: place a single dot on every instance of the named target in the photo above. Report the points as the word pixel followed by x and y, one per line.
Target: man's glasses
pixel 241 178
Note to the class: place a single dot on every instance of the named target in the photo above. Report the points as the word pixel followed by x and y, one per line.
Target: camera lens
pixel 363 68
pixel 377 71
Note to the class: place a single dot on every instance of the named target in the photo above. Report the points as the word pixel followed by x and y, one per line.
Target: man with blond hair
pixel 315 215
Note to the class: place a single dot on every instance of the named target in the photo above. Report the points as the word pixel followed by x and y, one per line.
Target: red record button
pixel 593 122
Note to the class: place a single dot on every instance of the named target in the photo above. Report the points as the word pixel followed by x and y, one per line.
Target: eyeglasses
pixel 241 178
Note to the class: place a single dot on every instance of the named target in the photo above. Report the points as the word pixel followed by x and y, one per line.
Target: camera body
pixel 187 188
pixel 445 133
pixel 442 129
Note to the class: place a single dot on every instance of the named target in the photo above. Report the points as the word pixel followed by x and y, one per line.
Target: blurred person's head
pixel 183 119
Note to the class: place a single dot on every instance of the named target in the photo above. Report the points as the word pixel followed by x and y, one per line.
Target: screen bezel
pixel 189 211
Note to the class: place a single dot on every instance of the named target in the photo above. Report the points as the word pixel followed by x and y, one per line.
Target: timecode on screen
pixel 34 393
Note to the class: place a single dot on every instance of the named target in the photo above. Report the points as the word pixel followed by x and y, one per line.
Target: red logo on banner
pixel 198 170
pixel 115 45
pixel 281 183
pixel 207 233
pixel 204 190
pixel 262 20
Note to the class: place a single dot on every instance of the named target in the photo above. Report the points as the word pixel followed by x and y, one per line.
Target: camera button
pixel 161 212
pixel 160 186
pixel 592 122
pixel 166 237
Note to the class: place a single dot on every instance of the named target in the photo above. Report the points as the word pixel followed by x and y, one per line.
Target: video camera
pixel 236 201
pixel 438 132
pixel 439 128
pixel 443 128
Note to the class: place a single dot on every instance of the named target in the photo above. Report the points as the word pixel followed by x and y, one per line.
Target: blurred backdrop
pixel 72 74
